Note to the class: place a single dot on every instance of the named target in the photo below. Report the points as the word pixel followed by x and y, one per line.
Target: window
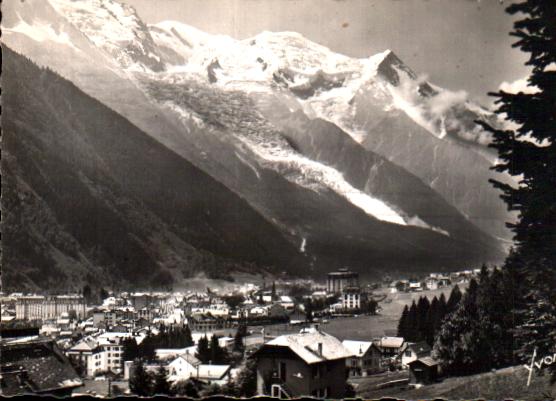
pixel 408 353
pixel 317 371
pixel 282 371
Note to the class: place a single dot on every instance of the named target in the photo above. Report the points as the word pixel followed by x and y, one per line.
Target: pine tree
pixel 457 340
pixel 140 382
pixel 453 300
pixel 429 329
pixel 187 337
pixel 412 323
pixel 403 323
pixel 423 306
pixel 203 351
pixel 529 153
pixel 161 385
pixel 130 349
pixel 440 313
pixel 218 354
pixel 238 339
pixel 247 380
pixel 214 349
pixel 308 310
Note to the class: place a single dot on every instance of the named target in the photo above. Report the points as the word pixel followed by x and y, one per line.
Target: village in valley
pixel 286 338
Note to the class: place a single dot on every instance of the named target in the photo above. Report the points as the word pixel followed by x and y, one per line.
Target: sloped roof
pixel 212 372
pixel 36 367
pixel 357 348
pixel 426 360
pixel 391 342
pixel 421 348
pixel 87 344
pixel 191 359
pixel 305 345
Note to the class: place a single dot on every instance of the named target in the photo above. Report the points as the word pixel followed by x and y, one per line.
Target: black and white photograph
pixel 286 198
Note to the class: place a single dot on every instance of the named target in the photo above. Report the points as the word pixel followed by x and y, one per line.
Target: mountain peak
pixel 116 28
pixel 390 67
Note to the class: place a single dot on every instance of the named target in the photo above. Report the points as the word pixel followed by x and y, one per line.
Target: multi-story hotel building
pixel 44 307
pixel 343 278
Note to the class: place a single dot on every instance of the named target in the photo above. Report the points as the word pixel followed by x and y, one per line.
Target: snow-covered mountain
pixel 379 101
pixel 347 158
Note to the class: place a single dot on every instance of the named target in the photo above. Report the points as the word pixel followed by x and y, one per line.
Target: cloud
pixel 445 100
pixel 519 85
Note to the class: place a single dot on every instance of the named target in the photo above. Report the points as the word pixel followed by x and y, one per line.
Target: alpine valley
pixel 139 155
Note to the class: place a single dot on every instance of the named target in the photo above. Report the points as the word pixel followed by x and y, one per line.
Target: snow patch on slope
pixel 315 175
pixel 40 32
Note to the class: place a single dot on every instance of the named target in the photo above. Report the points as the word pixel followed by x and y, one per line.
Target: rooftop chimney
pixel 319 345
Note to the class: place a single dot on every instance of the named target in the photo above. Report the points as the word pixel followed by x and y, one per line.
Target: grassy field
pixel 363 328
pixel 508 383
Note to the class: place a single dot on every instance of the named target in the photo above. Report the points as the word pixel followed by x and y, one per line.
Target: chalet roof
pixel 37 366
pixel 421 348
pixel 189 358
pixel 87 344
pixel 426 360
pixel 357 348
pixel 212 372
pixel 305 345
pixel 391 342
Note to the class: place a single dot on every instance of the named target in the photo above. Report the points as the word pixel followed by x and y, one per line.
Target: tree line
pixel 172 337
pixel 478 335
pixel 423 320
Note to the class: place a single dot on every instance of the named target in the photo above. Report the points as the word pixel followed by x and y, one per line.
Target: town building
pixel 423 371
pixel 338 280
pixel 287 302
pixel 97 355
pixel 183 367
pixel 351 298
pixel 34 307
pixel 204 323
pixel 312 363
pixel 214 374
pixel 365 359
pixel 391 346
pixel 36 366
pixel 436 282
pixel 172 353
pixel 415 286
pixel 414 351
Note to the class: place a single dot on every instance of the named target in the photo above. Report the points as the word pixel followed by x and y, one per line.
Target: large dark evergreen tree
pixel 161 386
pixel 529 154
pixel 412 323
pixel 453 300
pixel 423 306
pixel 429 326
pixel 218 354
pixel 403 323
pixel 130 349
pixel 203 351
pixel 140 383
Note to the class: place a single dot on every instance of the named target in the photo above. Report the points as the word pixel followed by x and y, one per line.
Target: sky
pixel 458 44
